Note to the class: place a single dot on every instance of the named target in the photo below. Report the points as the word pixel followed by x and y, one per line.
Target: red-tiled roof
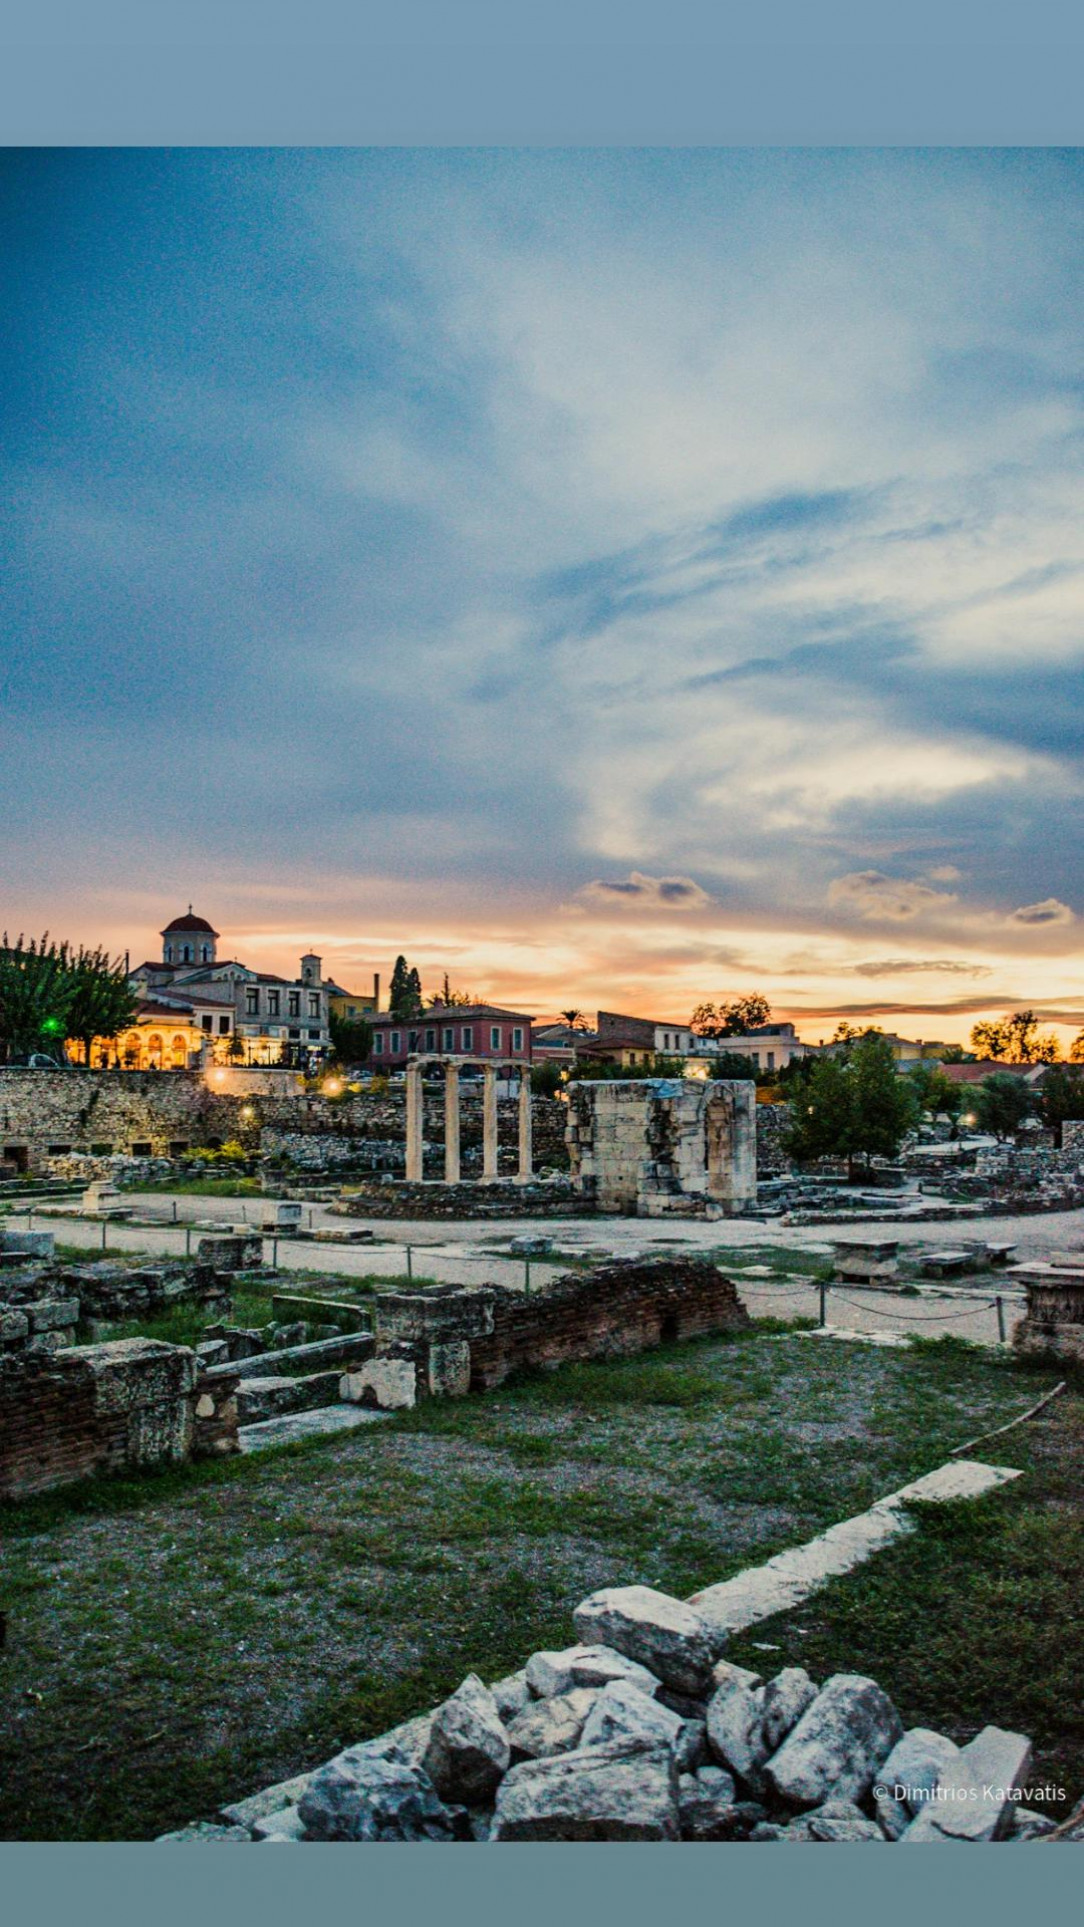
pixel 189 922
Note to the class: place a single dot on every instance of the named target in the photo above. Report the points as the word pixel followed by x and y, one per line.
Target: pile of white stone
pixel 642 1732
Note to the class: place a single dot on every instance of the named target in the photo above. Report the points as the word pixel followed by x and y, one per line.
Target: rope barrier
pixel 938 1318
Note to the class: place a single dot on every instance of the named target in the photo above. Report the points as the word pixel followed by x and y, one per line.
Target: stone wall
pixel 82 1411
pixel 504 1198
pixel 454 1340
pixel 45 1116
pixel 772 1124
pixel 663 1146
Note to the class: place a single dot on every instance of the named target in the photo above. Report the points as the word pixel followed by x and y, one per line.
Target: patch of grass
pixel 178 1639
pixel 231 1187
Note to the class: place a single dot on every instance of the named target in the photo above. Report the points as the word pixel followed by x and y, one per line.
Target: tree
pixel 934 1093
pixel 1076 1048
pixel 102 1003
pixel 546 1078
pixel 729 1066
pixel 1062 1096
pixel 36 990
pixel 449 999
pixel 854 1105
pixel 1002 1103
pixel 351 1038
pixel 885 1104
pixel 822 1121
pixel 954 1054
pixel 404 991
pixel 1016 1039
pixel 845 1033
pixel 733 1019
pixel 576 1020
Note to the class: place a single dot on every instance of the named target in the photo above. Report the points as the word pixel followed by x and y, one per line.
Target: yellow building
pixel 163 1037
pixel 353 1006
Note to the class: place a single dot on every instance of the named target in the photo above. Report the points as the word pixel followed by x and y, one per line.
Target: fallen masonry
pixel 643 1730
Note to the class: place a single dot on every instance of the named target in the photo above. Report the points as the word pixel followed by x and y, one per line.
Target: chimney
pixel 376 990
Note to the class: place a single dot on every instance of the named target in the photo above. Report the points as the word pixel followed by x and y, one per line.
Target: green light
pixel 53 1025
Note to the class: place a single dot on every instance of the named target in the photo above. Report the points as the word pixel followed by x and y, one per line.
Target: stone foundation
pixel 462 1340
pixel 501 1198
pixel 1053 1323
pixel 81 1411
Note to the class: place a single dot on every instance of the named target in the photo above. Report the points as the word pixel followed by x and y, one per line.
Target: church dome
pixel 189 922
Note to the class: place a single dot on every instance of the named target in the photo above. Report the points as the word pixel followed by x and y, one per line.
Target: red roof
pixel 189 922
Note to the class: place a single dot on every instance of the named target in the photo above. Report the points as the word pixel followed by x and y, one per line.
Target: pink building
pixel 485 1031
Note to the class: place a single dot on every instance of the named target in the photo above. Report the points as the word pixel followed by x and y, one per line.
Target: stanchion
pixel 105 1222
pixel 188 1241
pixel 824 1301
pixel 1000 1303
pixel 527 1277
pixel 174 1210
pixel 274 1254
pixel 409 1262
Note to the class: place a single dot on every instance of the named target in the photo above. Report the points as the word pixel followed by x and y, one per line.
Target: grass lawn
pixel 231 1187
pixel 179 1640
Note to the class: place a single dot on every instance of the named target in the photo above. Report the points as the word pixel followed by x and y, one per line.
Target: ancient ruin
pixel 664 1146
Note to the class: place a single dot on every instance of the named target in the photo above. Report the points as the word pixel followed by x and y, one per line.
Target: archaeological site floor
pixel 176 1640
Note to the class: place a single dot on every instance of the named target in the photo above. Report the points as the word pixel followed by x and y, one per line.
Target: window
pixel 378 1044
pixel 293 999
pixel 430 1040
pixel 449 1038
pixel 205 952
pixel 314 1003
pixel 186 953
pixel 396 1041
pixel 57 1150
pixel 315 1034
pixel 252 1002
pixel 206 1020
pixel 771 1060
pixel 495 1037
pixel 412 1040
pixel 169 953
pixel 142 1148
pixel 178 1146
pixel 468 1037
pixel 517 1037
pixel 101 1150
pixel 273 1000
pixel 223 1026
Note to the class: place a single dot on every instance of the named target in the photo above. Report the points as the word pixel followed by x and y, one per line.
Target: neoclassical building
pixel 222 1008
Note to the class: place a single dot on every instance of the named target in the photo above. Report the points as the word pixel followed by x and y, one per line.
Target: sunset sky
pixel 609 577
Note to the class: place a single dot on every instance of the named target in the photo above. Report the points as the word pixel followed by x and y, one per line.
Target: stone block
pixel 977 1791
pixel 390 1383
pixel 449 1369
pixel 661 1633
pixel 550 1673
pixel 838 1745
pixel 598 1793
pixel 468 1750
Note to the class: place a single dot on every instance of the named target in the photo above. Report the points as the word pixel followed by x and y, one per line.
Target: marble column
pixel 526 1162
pixel 415 1113
pixel 489 1123
pixel 451 1123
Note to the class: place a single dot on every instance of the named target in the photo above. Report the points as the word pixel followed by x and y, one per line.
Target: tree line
pixel 52 993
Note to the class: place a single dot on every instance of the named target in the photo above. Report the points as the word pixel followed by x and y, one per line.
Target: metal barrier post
pixel 174 1210
pixel 409 1263
pixel 1000 1302
pixel 824 1300
pixel 527 1276
pixel 188 1241
pixel 105 1222
pixel 274 1254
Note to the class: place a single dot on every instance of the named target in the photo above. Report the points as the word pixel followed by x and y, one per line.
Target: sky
pixel 613 578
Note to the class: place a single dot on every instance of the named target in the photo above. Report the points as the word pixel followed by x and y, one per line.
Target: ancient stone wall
pixel 46 1116
pixel 505 1198
pixel 662 1146
pixel 459 1339
pixel 81 1411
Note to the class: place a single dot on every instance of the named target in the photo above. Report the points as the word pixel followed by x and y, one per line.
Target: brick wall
pixel 612 1311
pixel 82 1411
